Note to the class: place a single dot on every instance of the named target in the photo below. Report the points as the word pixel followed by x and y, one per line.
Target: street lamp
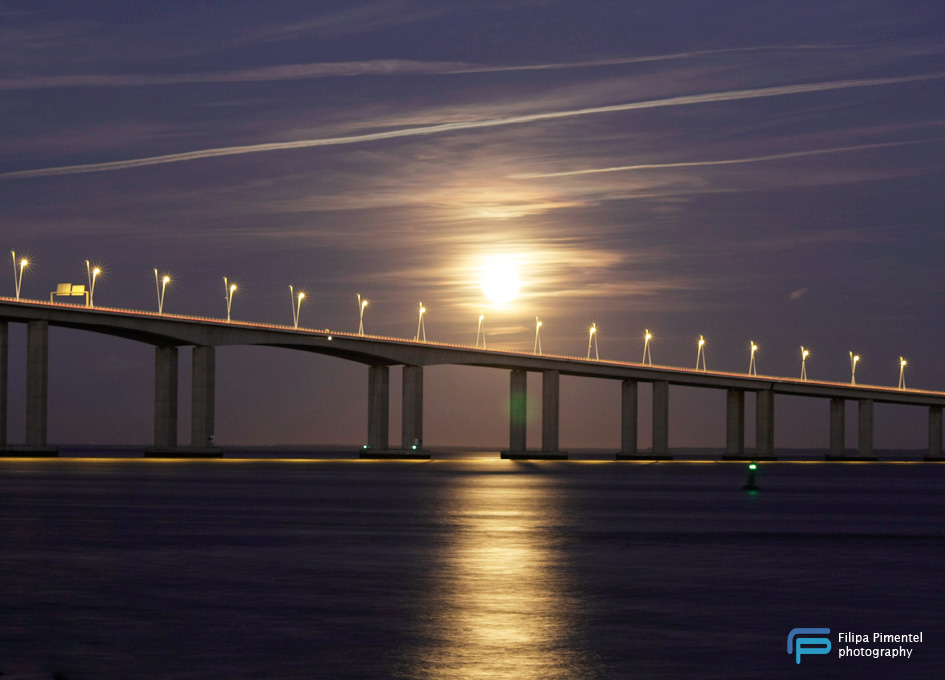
pixel 647 356
pixel 296 305
pixel 752 370
pixel 854 359
pixel 361 305
pixel 902 373
pixel 592 337
pixel 420 325
pixel 700 354
pixel 804 354
pixel 18 272
pixel 160 283
pixel 93 273
pixel 228 290
pixel 537 348
pixel 481 331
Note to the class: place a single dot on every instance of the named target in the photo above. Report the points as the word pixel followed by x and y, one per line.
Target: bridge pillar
pixel 865 441
pixel 764 424
pixel 518 410
pixel 165 397
pixel 838 408
pixel 202 393
pixel 4 378
pixel 660 418
pixel 550 410
pixel 935 433
pixel 378 407
pixel 735 424
pixel 412 427
pixel 37 382
pixel 628 419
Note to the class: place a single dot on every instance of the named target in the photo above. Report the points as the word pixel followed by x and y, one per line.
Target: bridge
pixel 168 333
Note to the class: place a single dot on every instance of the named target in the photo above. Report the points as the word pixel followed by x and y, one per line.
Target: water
pixel 462 568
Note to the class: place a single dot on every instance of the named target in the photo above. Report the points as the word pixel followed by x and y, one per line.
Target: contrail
pixel 730 161
pixel 686 100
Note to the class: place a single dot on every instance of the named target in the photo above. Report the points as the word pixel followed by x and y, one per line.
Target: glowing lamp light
pixel 362 304
pixel 854 359
pixel 160 283
pixel 421 327
pixel 647 355
pixel 228 290
pixel 700 354
pixel 592 338
pixel 480 331
pixel 296 305
pixel 902 373
pixel 537 348
pixel 752 369
pixel 18 272
pixel 804 354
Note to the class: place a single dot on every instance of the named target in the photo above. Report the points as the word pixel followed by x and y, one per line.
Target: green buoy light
pixel 751 484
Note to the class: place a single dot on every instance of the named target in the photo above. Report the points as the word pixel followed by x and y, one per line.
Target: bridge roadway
pixel 167 333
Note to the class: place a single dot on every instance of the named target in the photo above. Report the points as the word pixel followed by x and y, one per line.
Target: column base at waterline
pixel 394 454
pixel 24 451
pixel 534 455
pixel 183 452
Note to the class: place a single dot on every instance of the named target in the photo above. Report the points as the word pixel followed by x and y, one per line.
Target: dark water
pixel 475 568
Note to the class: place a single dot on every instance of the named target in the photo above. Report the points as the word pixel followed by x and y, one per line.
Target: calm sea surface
pixel 463 568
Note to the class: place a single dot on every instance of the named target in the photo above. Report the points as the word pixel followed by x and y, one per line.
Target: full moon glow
pixel 500 282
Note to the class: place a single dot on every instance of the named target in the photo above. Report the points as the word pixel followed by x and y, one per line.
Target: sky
pixel 746 171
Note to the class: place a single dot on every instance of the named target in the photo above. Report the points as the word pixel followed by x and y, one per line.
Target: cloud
pixel 798 294
pixel 373 67
pixel 683 100
pixel 731 161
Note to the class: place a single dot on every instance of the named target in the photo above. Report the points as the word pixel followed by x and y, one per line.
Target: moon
pixel 500 282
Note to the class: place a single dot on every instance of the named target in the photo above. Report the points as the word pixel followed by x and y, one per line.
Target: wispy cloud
pixel 684 100
pixel 371 67
pixel 730 161
pixel 798 294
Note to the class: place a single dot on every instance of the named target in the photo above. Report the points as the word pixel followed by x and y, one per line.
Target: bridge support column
pixel 378 407
pixel 838 409
pixel 865 441
pixel 550 415
pixel 628 419
pixel 764 424
pixel 37 382
pixel 518 414
pixel 412 427
pixel 935 433
pixel 202 393
pixel 165 397
pixel 661 419
pixel 735 424
pixel 4 379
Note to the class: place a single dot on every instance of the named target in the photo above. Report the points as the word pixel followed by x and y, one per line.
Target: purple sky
pixel 763 171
